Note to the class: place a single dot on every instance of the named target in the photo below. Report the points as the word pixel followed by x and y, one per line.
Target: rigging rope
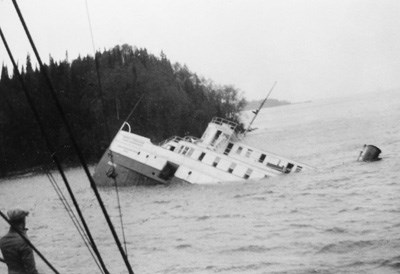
pixel 73 217
pixel 51 149
pixel 72 138
pixel 106 125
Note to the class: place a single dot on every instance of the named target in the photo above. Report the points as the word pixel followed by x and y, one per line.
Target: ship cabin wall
pixel 128 144
pixel 209 171
pixel 225 166
pixel 157 157
pixel 214 170
pixel 189 175
pixel 150 155
pixel 217 136
pixel 242 161
pixel 282 165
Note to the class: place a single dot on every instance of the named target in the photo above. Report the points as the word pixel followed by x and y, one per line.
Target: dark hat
pixel 16 214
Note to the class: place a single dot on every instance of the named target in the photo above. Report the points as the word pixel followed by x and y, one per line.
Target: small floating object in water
pixel 370 153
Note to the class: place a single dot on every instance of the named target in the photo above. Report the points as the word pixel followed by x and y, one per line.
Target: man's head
pixel 17 217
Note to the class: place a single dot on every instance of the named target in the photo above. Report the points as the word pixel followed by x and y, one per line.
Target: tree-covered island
pixel 175 101
pixel 171 100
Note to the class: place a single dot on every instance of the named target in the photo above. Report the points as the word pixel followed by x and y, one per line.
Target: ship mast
pixel 259 108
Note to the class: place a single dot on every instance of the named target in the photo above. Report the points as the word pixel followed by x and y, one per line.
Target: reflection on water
pixel 341 218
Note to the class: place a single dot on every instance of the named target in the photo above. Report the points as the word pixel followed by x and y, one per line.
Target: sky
pixel 314 49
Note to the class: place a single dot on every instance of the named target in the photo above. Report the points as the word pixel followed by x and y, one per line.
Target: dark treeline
pixel 175 102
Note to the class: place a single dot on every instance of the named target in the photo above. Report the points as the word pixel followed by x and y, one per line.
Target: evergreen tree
pixel 175 102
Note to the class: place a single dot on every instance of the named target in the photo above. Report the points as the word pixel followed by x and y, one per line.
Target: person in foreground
pixel 17 254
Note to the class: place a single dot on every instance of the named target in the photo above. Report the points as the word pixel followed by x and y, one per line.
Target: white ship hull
pixel 215 158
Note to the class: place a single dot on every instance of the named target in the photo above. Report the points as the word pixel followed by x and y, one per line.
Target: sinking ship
pixel 219 156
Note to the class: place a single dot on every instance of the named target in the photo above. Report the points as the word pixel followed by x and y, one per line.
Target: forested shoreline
pixel 175 101
pixel 269 103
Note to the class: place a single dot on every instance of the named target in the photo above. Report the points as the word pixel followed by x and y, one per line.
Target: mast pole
pixel 259 108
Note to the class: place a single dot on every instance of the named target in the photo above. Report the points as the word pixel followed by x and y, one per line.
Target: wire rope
pixel 50 148
pixel 73 217
pixel 97 66
pixel 72 138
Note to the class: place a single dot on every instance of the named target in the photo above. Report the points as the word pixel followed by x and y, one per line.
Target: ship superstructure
pixel 218 156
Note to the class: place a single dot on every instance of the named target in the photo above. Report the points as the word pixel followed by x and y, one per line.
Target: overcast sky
pixel 313 48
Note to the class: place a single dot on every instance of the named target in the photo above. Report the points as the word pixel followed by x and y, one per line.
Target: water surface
pixel 342 217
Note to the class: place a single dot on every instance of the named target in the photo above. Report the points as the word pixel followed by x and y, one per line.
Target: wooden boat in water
pixel 218 156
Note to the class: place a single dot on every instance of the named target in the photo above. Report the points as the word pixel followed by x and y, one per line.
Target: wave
pixel 249 268
pixel 249 248
pixel 245 195
pixel 228 216
pixel 182 246
pixel 393 262
pixel 336 230
pixel 301 225
pixel 348 246
pixel 161 202
pixel 376 264
pixel 261 198
pixel 202 218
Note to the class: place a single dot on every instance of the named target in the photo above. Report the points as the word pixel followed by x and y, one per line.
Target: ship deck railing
pixel 177 139
pixel 222 121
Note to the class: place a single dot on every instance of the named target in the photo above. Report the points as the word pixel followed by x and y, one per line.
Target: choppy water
pixel 344 217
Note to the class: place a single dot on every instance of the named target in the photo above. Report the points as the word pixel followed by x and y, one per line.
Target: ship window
pixel 231 167
pixel 228 148
pixel 171 148
pixel 248 153
pixel 289 167
pixel 262 158
pixel 298 168
pixel 190 152
pixel 216 161
pixel 239 150
pixel 275 164
pixel 202 156
pixel 248 173
pixel 180 149
pixel 185 150
pixel 216 137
